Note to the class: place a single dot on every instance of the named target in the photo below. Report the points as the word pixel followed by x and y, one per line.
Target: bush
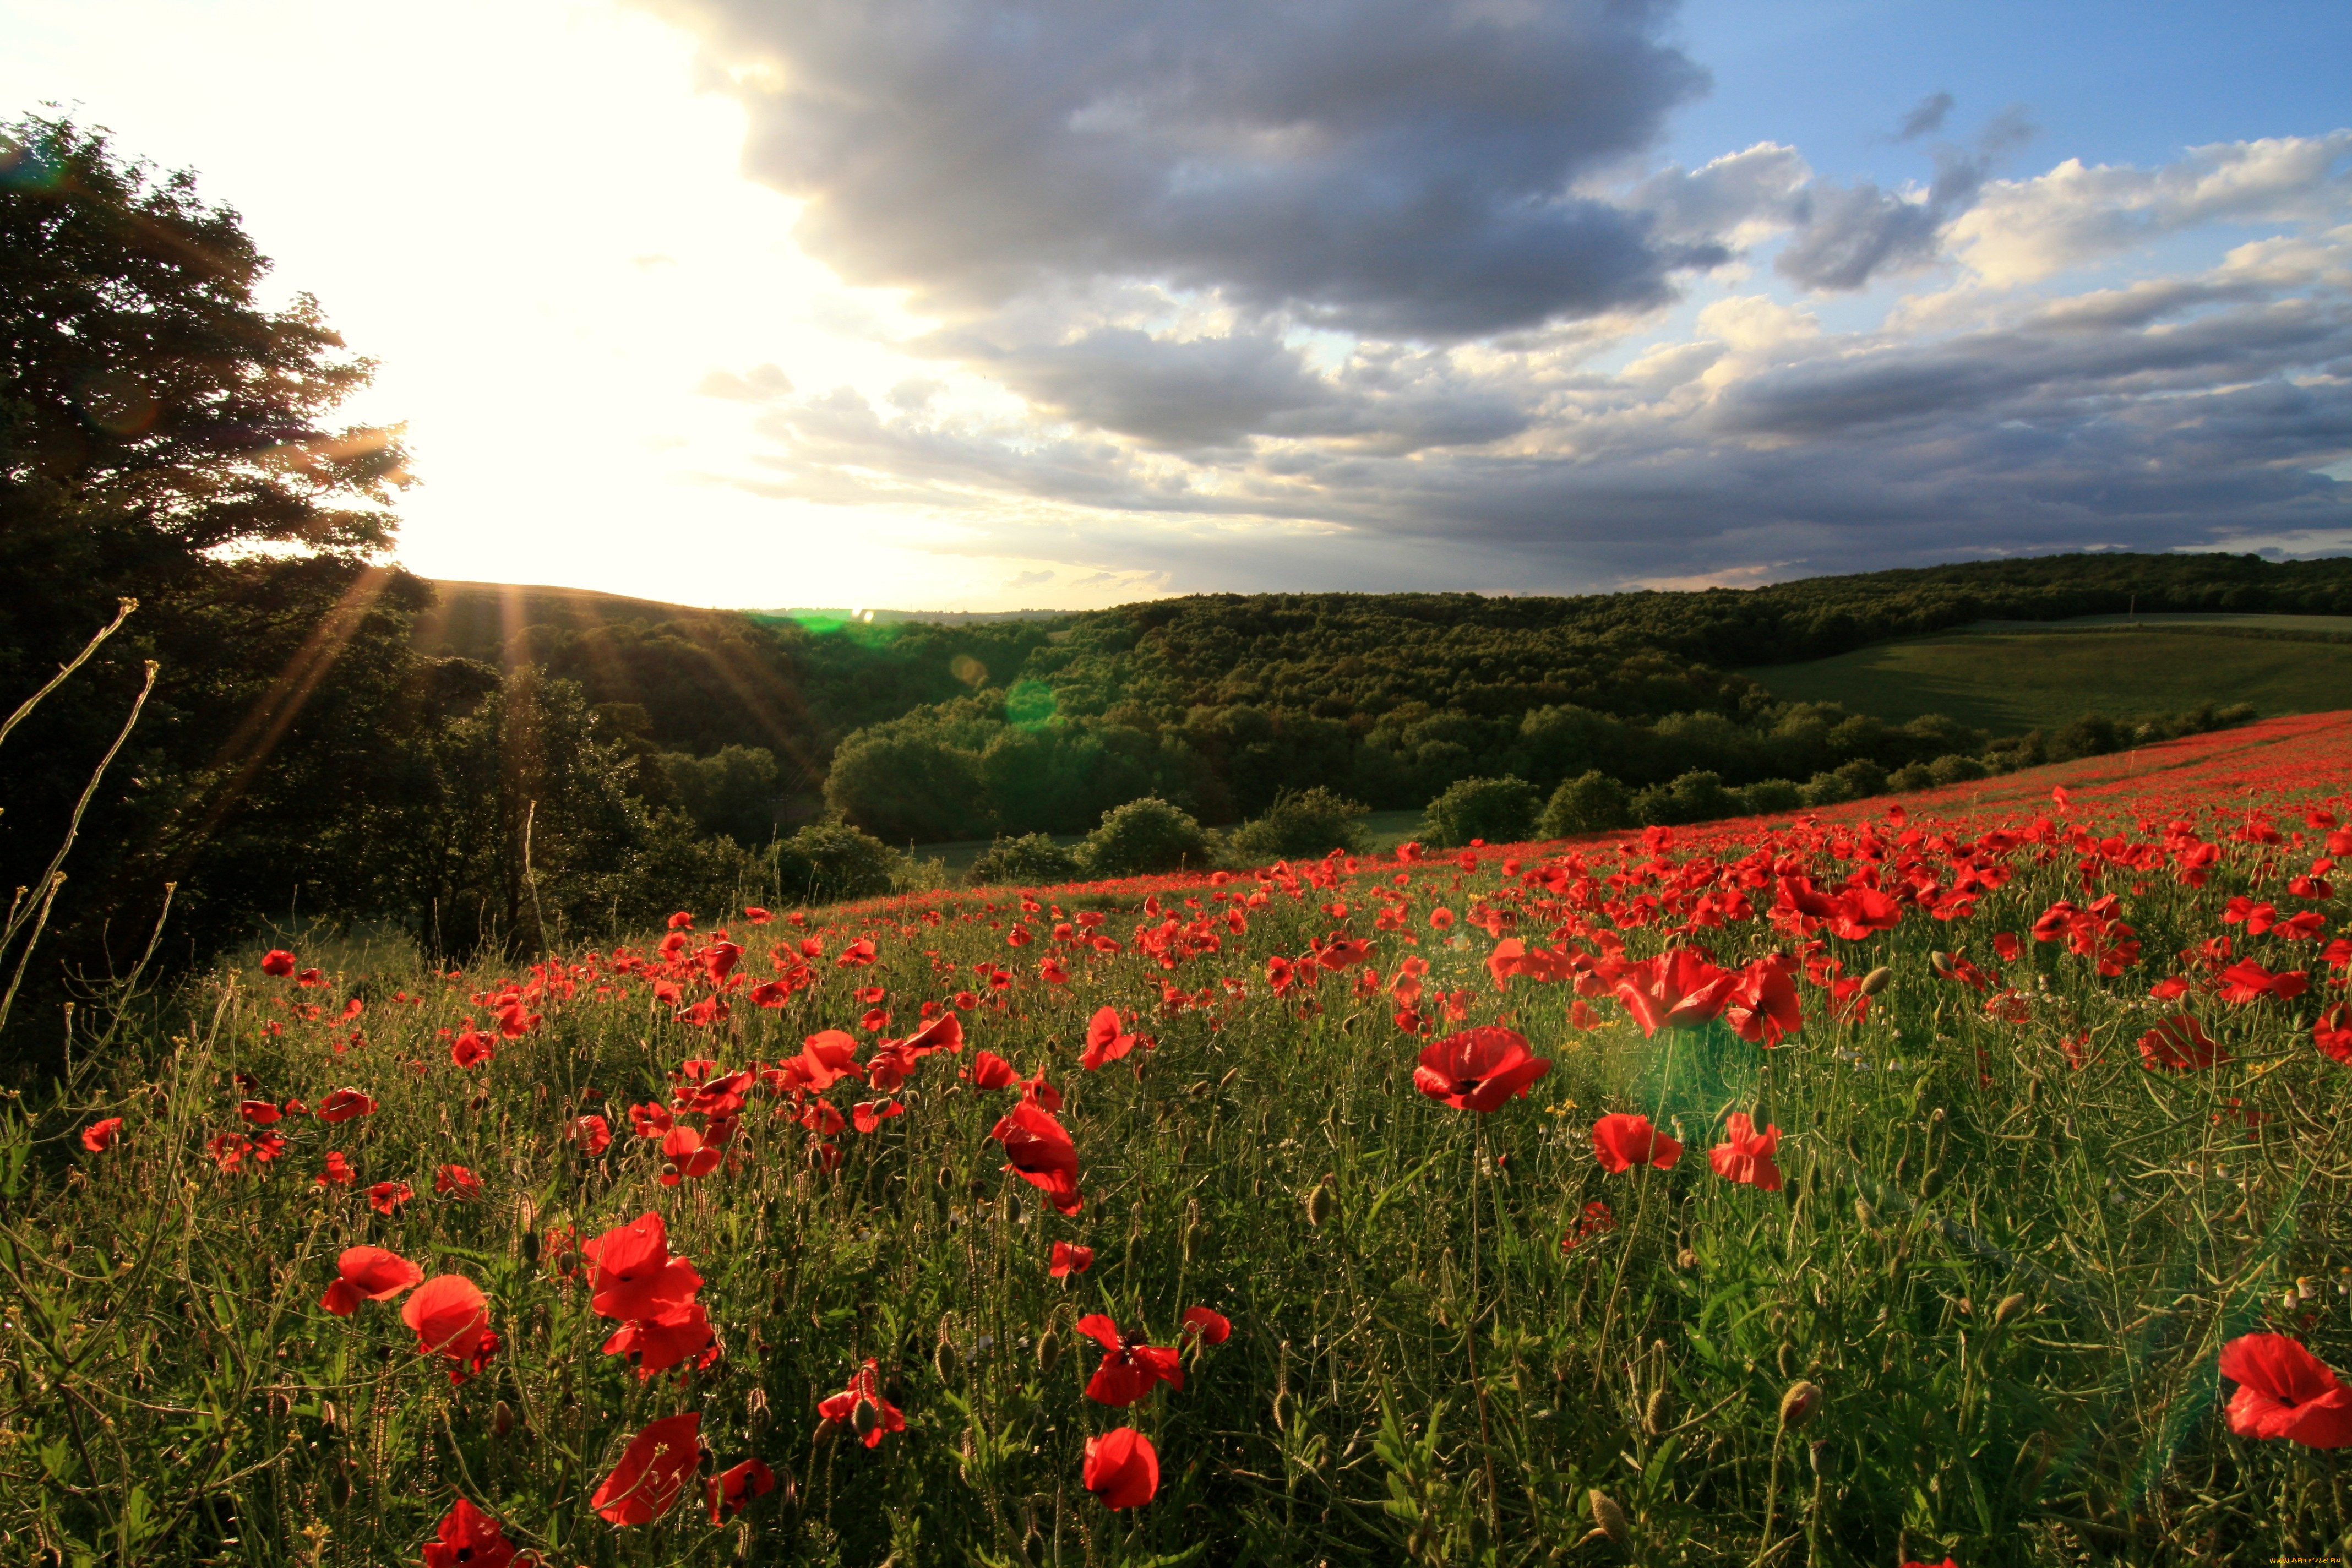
pixel 1032 859
pixel 737 791
pixel 831 862
pixel 1912 775
pixel 1862 778
pixel 1311 822
pixel 1592 803
pixel 1956 769
pixel 1500 811
pixel 1824 789
pixel 1144 837
pixel 1771 795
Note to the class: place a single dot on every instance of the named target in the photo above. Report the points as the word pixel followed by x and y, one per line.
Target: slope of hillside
pixel 2008 678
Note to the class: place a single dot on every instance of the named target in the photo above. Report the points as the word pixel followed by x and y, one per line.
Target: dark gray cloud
pixel 2173 412
pixel 1851 234
pixel 1927 117
pixel 1397 167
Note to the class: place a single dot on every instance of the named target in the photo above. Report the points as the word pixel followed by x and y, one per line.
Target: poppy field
pixel 1949 1177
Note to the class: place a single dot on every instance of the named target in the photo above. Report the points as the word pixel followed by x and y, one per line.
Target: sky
pixel 989 304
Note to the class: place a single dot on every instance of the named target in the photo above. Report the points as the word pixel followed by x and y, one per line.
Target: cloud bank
pixel 1380 293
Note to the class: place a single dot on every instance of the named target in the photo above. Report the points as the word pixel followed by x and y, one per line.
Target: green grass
pixel 2009 681
pixel 1424 1377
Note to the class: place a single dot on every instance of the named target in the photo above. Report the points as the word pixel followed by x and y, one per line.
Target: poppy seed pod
pixel 1607 1516
pixel 1877 980
pixel 2008 1307
pixel 1800 1404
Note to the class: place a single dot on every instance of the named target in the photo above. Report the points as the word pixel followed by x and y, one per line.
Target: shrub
pixel 1309 821
pixel 1500 811
pixel 1911 776
pixel 1862 777
pixel 1143 837
pixel 829 862
pixel 1033 858
pixel 1771 795
pixel 1824 789
pixel 1592 803
pixel 1956 768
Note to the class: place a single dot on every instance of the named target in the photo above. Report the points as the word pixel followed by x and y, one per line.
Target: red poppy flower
pixel 260 1112
pixel 2246 980
pixel 990 1070
pixel 1105 1042
pixel 471 1047
pixel 731 1491
pixel 368 1274
pixel 682 920
pixel 278 962
pixel 756 915
pixel 826 1057
pixel 822 1119
pixel 866 1114
pixel 1068 1260
pixel 1746 1155
pixel 2179 1044
pixel 1052 971
pixel 1039 1150
pixel 944 1033
pixel 1478 1068
pixel 1622 1142
pixel 653 1471
pixel 1211 1327
pixel 99 1136
pixel 338 1174
pixel 1122 1468
pixel 590 1132
pixel 856 955
pixel 1036 1091
pixel 2331 1032
pixel 689 1155
pixel 635 1275
pixel 1677 990
pixel 657 1344
pixel 1763 1006
pixel 1129 1368
pixel 386 1197
pixel 1596 1219
pixel 470 1537
pixel 2284 1391
pixel 864 1388
pixel 650 1119
pixel 228 1151
pixel 451 1318
pixel 456 1179
pixel 344 1104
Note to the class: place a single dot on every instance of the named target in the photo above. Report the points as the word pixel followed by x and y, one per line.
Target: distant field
pixel 2009 680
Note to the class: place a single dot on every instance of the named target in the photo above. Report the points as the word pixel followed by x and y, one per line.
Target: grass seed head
pixel 2008 1307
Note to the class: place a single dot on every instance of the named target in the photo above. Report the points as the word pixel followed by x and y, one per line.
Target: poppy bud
pixel 1049 1351
pixel 1877 980
pixel 1800 1404
pixel 864 1415
pixel 1286 1410
pixel 943 1359
pixel 2008 1307
pixel 1786 1359
pixel 1012 1208
pixel 1863 1213
pixel 755 1405
pixel 1320 1202
pixel 1607 1516
pixel 668 1170
pixel 339 1485
pixel 502 1419
pixel 1657 1414
pixel 530 1248
pixel 1822 1458
pixel 1932 1182
pixel 1686 1258
pixel 327 1413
